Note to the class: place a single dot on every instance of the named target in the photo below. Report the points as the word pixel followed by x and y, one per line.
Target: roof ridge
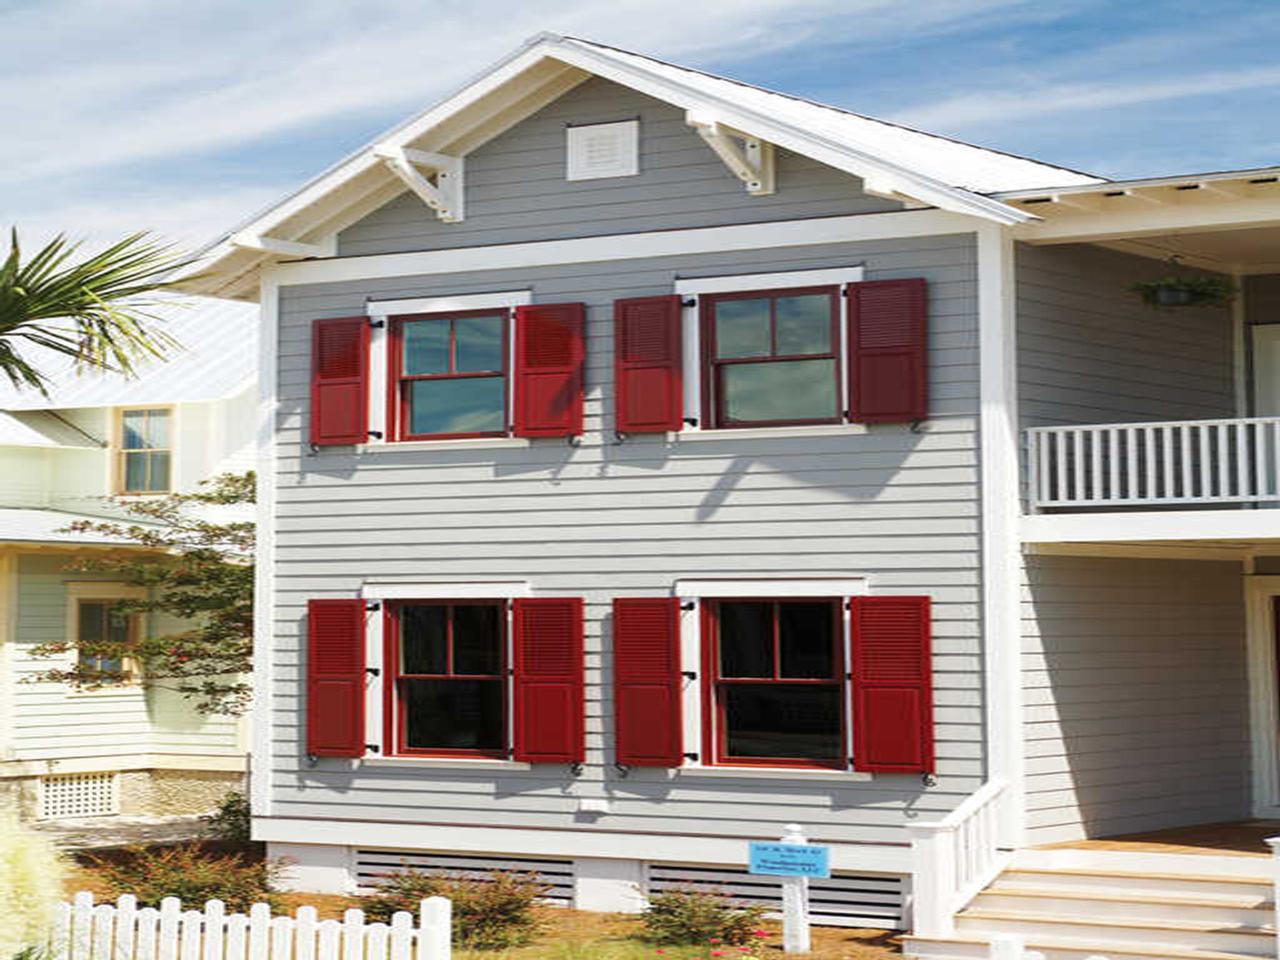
pixel 818 103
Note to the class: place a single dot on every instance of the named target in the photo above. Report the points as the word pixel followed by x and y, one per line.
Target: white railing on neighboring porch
pixel 1174 462
pixel 954 859
pixel 84 930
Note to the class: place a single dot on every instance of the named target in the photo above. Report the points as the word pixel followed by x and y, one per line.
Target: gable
pixel 517 191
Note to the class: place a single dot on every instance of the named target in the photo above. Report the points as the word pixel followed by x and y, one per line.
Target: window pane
pixel 158 429
pixel 135 472
pixel 785 390
pixel 93 619
pixel 423 639
pixel 806 638
pixel 786 722
pixel 478 343
pixel 469 405
pixel 134 424
pixel 804 324
pixel 477 640
pixel 742 328
pixel 426 347
pixel 159 479
pixel 117 625
pixel 453 714
pixel 746 639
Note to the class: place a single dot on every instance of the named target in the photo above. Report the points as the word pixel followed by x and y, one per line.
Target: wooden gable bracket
pixel 328 247
pixel 748 158
pixel 416 167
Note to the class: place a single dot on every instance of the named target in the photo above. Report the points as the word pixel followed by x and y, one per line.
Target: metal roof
pixel 217 358
pixel 49 526
pixel 1251 174
pixel 36 428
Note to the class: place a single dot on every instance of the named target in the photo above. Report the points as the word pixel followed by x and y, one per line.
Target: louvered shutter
pixel 887 351
pixel 335 678
pixel 548 375
pixel 547 637
pixel 646 681
pixel 340 381
pixel 648 389
pixel 892 685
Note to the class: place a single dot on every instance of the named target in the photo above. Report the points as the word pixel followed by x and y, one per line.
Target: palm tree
pixel 93 308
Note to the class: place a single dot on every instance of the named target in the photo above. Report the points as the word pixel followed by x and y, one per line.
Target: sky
pixel 183 117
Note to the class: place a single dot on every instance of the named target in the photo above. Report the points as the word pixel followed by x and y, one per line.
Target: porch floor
pixel 1236 838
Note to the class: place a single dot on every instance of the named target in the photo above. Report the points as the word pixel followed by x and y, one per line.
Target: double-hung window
pixel 449 375
pixel 102 628
pixel 449 694
pixel 775 682
pixel 145 451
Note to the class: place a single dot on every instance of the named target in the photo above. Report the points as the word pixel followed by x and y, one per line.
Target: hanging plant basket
pixel 1186 290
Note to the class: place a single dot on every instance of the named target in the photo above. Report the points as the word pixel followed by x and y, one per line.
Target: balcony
pixel 1188 463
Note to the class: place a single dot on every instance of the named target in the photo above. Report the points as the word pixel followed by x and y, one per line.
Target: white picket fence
pixel 123 931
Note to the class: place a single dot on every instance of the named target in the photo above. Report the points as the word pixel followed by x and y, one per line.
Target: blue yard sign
pixel 790 860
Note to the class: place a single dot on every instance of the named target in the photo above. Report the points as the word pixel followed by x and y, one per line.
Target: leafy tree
pixel 195 568
pixel 94 308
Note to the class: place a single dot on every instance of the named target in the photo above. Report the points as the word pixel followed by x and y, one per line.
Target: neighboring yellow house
pixel 126 749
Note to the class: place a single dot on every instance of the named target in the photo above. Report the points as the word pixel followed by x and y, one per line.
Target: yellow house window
pixel 146 451
pixel 100 622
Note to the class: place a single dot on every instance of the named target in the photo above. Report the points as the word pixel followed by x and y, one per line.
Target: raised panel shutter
pixel 888 366
pixel 649 390
pixel 647 681
pixel 547 637
pixel 335 678
pixel 340 381
pixel 892 685
pixel 549 361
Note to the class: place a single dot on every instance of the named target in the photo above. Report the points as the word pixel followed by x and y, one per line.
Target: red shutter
pixel 648 390
pixel 549 708
pixel 335 678
pixel 340 381
pixel 646 681
pixel 892 685
pixel 887 342
pixel 549 361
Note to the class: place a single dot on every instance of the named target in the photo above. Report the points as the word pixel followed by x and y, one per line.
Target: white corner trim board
pixel 439 590
pixel 759 587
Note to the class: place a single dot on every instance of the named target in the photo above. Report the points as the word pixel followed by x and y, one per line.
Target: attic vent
pixel 603 150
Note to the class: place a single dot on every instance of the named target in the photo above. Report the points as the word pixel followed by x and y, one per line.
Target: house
pixel 123 748
pixel 653 461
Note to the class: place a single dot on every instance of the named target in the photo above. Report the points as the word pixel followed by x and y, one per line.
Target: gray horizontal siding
pixel 607 519
pixel 1089 351
pixel 1135 695
pixel 516 189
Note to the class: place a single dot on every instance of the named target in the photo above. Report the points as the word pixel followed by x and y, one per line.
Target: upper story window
pixel 101 626
pixel 449 374
pixel 772 358
pixel 776 683
pixel 146 451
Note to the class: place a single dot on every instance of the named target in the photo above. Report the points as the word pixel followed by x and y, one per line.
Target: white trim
pixel 514 841
pixel 8 648
pixel 106 763
pixel 264 597
pixel 772 587
pixel 379 360
pixel 1157 550
pixel 375 682
pixel 1149 219
pixel 1239 347
pixel 1001 561
pixel 439 590
pixel 770 433
pixel 895 225
pixel 1246 525
pixel 691 668
pixel 1264 712
pixel 459 443
pixel 746 282
pixel 380 309
pixel 447 763
pixel 834 777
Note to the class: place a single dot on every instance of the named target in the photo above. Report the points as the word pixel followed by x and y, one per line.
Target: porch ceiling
pixel 1229 251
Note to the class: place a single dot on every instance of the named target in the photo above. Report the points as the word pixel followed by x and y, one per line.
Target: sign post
pixel 795 860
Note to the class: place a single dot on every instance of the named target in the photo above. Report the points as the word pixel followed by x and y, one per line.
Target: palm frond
pixel 97 309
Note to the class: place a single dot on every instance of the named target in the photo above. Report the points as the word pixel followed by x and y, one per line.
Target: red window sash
pixel 712 394
pixel 398 396
pixel 394 707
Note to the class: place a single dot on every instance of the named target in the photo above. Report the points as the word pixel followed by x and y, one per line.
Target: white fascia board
pixel 771 587
pixel 1247 525
pixel 692 286
pixel 460 590
pixel 659 243
pixel 1111 222
pixel 479 301
pixel 1111 186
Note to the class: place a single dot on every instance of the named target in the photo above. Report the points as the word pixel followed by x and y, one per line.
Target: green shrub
pixel 490 913
pixel 231 820
pixel 697 916
pixel 192 873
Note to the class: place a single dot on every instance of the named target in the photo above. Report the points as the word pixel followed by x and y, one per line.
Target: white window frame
pixel 116 464
pixel 382 592
pixel 691 288
pixel 102 591
pixel 691 593
pixel 381 313
pixel 627 163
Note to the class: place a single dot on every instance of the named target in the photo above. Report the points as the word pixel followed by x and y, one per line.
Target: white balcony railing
pixel 1140 464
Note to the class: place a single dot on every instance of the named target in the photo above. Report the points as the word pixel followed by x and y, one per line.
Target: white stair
pixel 1090 905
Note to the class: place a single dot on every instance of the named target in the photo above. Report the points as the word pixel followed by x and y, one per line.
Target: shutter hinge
pixel 377 324
pixel 691 421
pixel 373 671
pixel 916 425
pixel 376 433
pixel 619 437
pixel 689 674
pixel 929 780
pixel 689 302
pixel 689 605
pixel 691 756
pixel 372 748
pixel 574 440
pixel 372 607
pixel 575 768
pixel 622 769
